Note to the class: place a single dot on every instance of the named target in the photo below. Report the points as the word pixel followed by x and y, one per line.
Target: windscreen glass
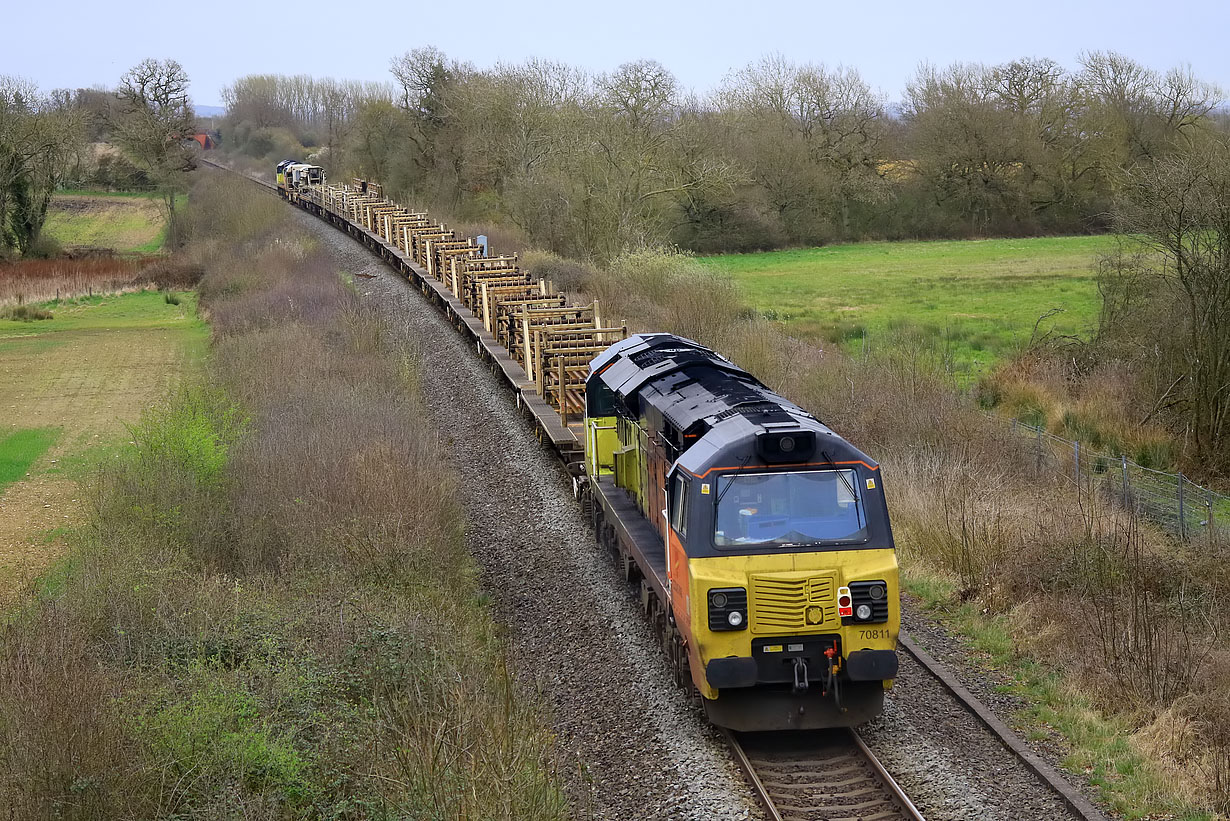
pixel 787 509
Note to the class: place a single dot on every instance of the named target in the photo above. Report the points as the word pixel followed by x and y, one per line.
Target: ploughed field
pixel 974 301
pixel 68 386
pixel 92 219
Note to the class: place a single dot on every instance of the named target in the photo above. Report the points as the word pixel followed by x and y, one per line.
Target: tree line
pixel 786 153
pixel 781 153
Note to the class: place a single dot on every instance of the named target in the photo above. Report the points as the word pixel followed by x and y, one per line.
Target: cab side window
pixel 679 505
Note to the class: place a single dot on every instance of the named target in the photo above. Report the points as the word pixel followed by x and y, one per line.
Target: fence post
pixel 1182 518
pixel 1038 467
pixel 1126 502
pixel 1076 461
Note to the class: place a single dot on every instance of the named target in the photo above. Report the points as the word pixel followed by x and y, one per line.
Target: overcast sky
pixel 61 44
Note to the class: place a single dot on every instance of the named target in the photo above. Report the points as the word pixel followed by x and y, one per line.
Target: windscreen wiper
pixel 731 479
pixel 842 476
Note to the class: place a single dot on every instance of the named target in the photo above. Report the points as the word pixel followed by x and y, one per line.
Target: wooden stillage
pixel 554 341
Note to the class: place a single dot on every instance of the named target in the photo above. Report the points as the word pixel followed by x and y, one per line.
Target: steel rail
pixel 894 799
pixel 1077 803
pixel 887 780
pixel 745 764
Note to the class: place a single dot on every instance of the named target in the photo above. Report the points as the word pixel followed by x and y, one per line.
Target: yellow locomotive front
pixel 780 572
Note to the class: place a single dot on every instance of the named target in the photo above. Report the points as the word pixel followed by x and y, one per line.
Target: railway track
pixel 829 775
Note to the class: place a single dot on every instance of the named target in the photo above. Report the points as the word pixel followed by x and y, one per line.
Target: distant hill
pixel 208 110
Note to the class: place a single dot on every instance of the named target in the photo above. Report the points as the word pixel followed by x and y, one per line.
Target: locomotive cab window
pixel 599 399
pixel 788 509
pixel 679 506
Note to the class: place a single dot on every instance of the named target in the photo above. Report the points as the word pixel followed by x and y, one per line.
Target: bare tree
pixel 1134 113
pixel 812 137
pixel 1179 209
pixel 154 122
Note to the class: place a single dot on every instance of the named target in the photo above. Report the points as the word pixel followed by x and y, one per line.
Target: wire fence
pixel 1173 501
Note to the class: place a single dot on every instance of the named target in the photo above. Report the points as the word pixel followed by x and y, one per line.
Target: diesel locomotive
pixel 292 177
pixel 764 533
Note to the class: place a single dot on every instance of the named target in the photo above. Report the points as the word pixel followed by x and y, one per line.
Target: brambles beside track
pixel 256 622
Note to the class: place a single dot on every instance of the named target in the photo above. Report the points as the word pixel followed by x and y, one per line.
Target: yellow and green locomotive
pixel 761 537
pixel 294 177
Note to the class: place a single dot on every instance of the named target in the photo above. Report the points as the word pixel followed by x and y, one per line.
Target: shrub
pixel 25 313
pixel 44 246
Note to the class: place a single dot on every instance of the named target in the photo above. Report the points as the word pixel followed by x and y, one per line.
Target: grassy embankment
pixel 1107 629
pixel 271 612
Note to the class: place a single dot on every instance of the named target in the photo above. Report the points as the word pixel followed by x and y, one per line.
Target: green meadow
pixel 144 310
pixel 974 300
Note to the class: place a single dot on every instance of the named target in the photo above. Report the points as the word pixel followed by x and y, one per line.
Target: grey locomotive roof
pixel 732 442
pixel 703 394
pixel 630 363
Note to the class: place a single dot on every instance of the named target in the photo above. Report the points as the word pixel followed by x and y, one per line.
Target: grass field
pixel 68 387
pixel 124 222
pixel 977 300
pixel 20 449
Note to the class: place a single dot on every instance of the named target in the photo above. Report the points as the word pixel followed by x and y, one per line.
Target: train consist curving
pixel 760 539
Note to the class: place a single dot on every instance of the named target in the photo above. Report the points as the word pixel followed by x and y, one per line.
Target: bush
pixel 44 246
pixel 25 313
pixel 113 171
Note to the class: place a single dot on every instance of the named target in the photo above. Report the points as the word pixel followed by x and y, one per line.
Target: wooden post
pixel 540 362
pixel 525 344
pixel 1038 466
pixel 562 395
pixel 1182 517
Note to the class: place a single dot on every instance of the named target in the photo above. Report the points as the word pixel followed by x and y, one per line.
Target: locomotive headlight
pixel 727 608
pixel 865 601
pixel 786 444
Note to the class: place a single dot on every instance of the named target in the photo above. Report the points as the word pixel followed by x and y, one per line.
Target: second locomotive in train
pixel 766 532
